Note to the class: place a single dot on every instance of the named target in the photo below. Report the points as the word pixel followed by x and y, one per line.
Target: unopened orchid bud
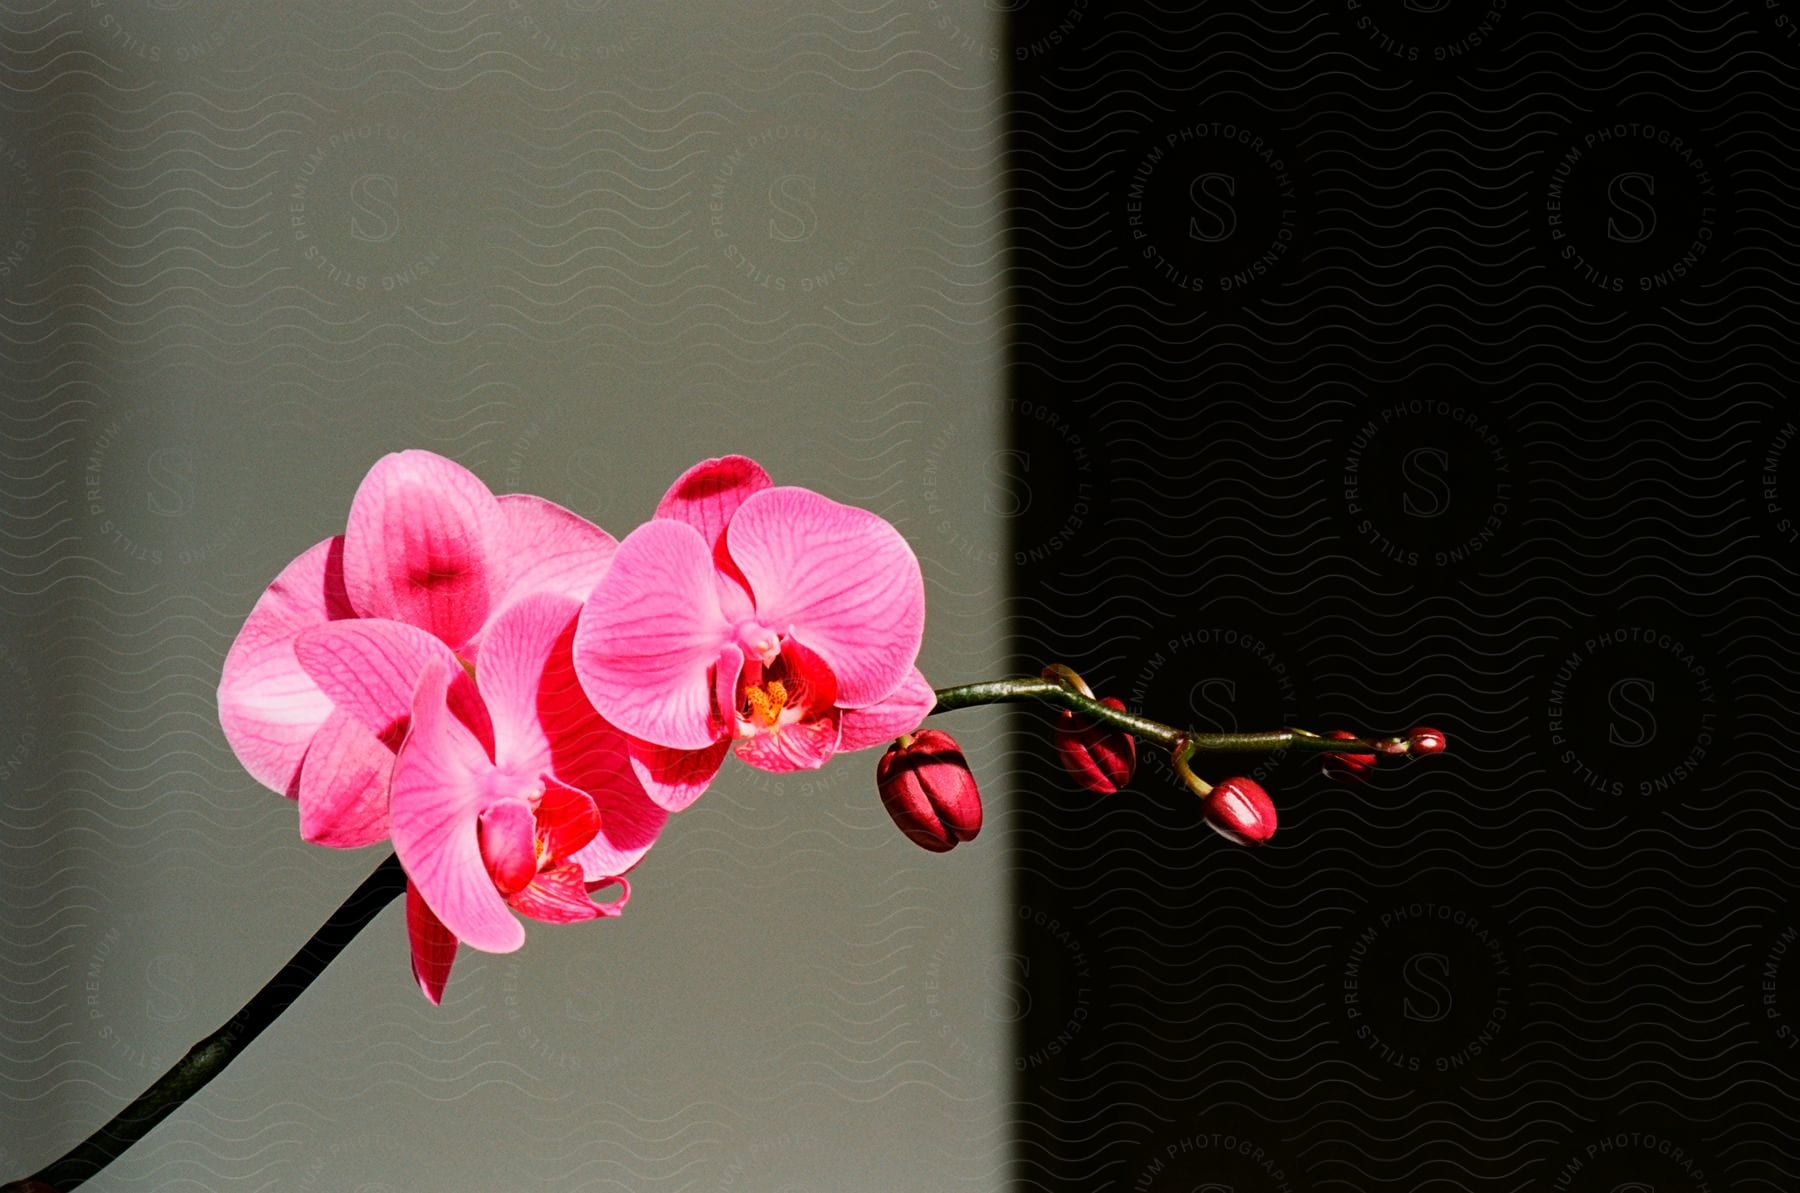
pixel 1346 768
pixel 1240 811
pixel 927 788
pixel 1425 741
pixel 1100 757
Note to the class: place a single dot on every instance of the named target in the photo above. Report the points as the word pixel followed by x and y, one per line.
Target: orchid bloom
pixel 427 545
pixel 508 792
pixel 771 619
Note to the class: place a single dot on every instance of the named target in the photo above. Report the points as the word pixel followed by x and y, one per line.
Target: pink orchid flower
pixel 772 618
pixel 509 792
pixel 427 545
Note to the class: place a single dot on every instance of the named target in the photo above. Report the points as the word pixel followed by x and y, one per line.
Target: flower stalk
pixel 208 1058
pixel 1061 694
pixel 1235 807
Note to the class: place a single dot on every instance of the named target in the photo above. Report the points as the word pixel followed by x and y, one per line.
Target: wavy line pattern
pixel 1385 362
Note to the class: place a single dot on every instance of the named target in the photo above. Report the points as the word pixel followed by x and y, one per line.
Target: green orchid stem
pixel 208 1058
pixel 1048 691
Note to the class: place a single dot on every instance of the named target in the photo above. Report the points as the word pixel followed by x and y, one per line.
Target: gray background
pixel 576 245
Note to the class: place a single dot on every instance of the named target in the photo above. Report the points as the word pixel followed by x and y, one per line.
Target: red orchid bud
pixel 1100 757
pixel 1346 768
pixel 1240 811
pixel 926 787
pixel 1426 741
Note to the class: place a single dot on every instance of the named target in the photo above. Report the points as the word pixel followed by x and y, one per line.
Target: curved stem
pixel 208 1058
pixel 1046 691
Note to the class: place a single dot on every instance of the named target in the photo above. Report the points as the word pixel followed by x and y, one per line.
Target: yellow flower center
pixel 766 702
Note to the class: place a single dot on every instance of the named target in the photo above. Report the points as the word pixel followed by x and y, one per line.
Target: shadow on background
pixel 52 366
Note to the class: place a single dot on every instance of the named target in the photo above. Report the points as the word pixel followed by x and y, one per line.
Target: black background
pixel 1496 438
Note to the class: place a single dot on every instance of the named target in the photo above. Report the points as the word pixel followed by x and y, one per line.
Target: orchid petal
pixel 649 635
pixel 370 667
pixel 557 896
pixel 724 681
pixel 268 706
pixel 507 832
pixel 417 548
pixel 808 679
pixel 706 495
pixel 440 778
pixel 900 711
pixel 433 946
pixel 802 745
pixel 511 674
pixel 567 819
pixel 672 779
pixel 614 906
pixel 590 756
pixel 344 785
pixel 838 576
pixel 528 674
pixel 549 549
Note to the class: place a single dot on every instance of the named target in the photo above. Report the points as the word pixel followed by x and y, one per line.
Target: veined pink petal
pixel 567 819
pixel 841 578
pixel 900 711
pixel 418 546
pixel 590 755
pixel 706 495
pixel 557 896
pixel 433 946
pixel 548 549
pixel 803 745
pixel 528 673
pixel 268 706
pixel 344 785
pixel 440 780
pixel 526 701
pixel 672 779
pixel 649 635
pixel 370 667
pixel 724 681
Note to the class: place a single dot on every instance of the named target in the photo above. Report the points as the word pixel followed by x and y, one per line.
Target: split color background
pixel 1353 361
